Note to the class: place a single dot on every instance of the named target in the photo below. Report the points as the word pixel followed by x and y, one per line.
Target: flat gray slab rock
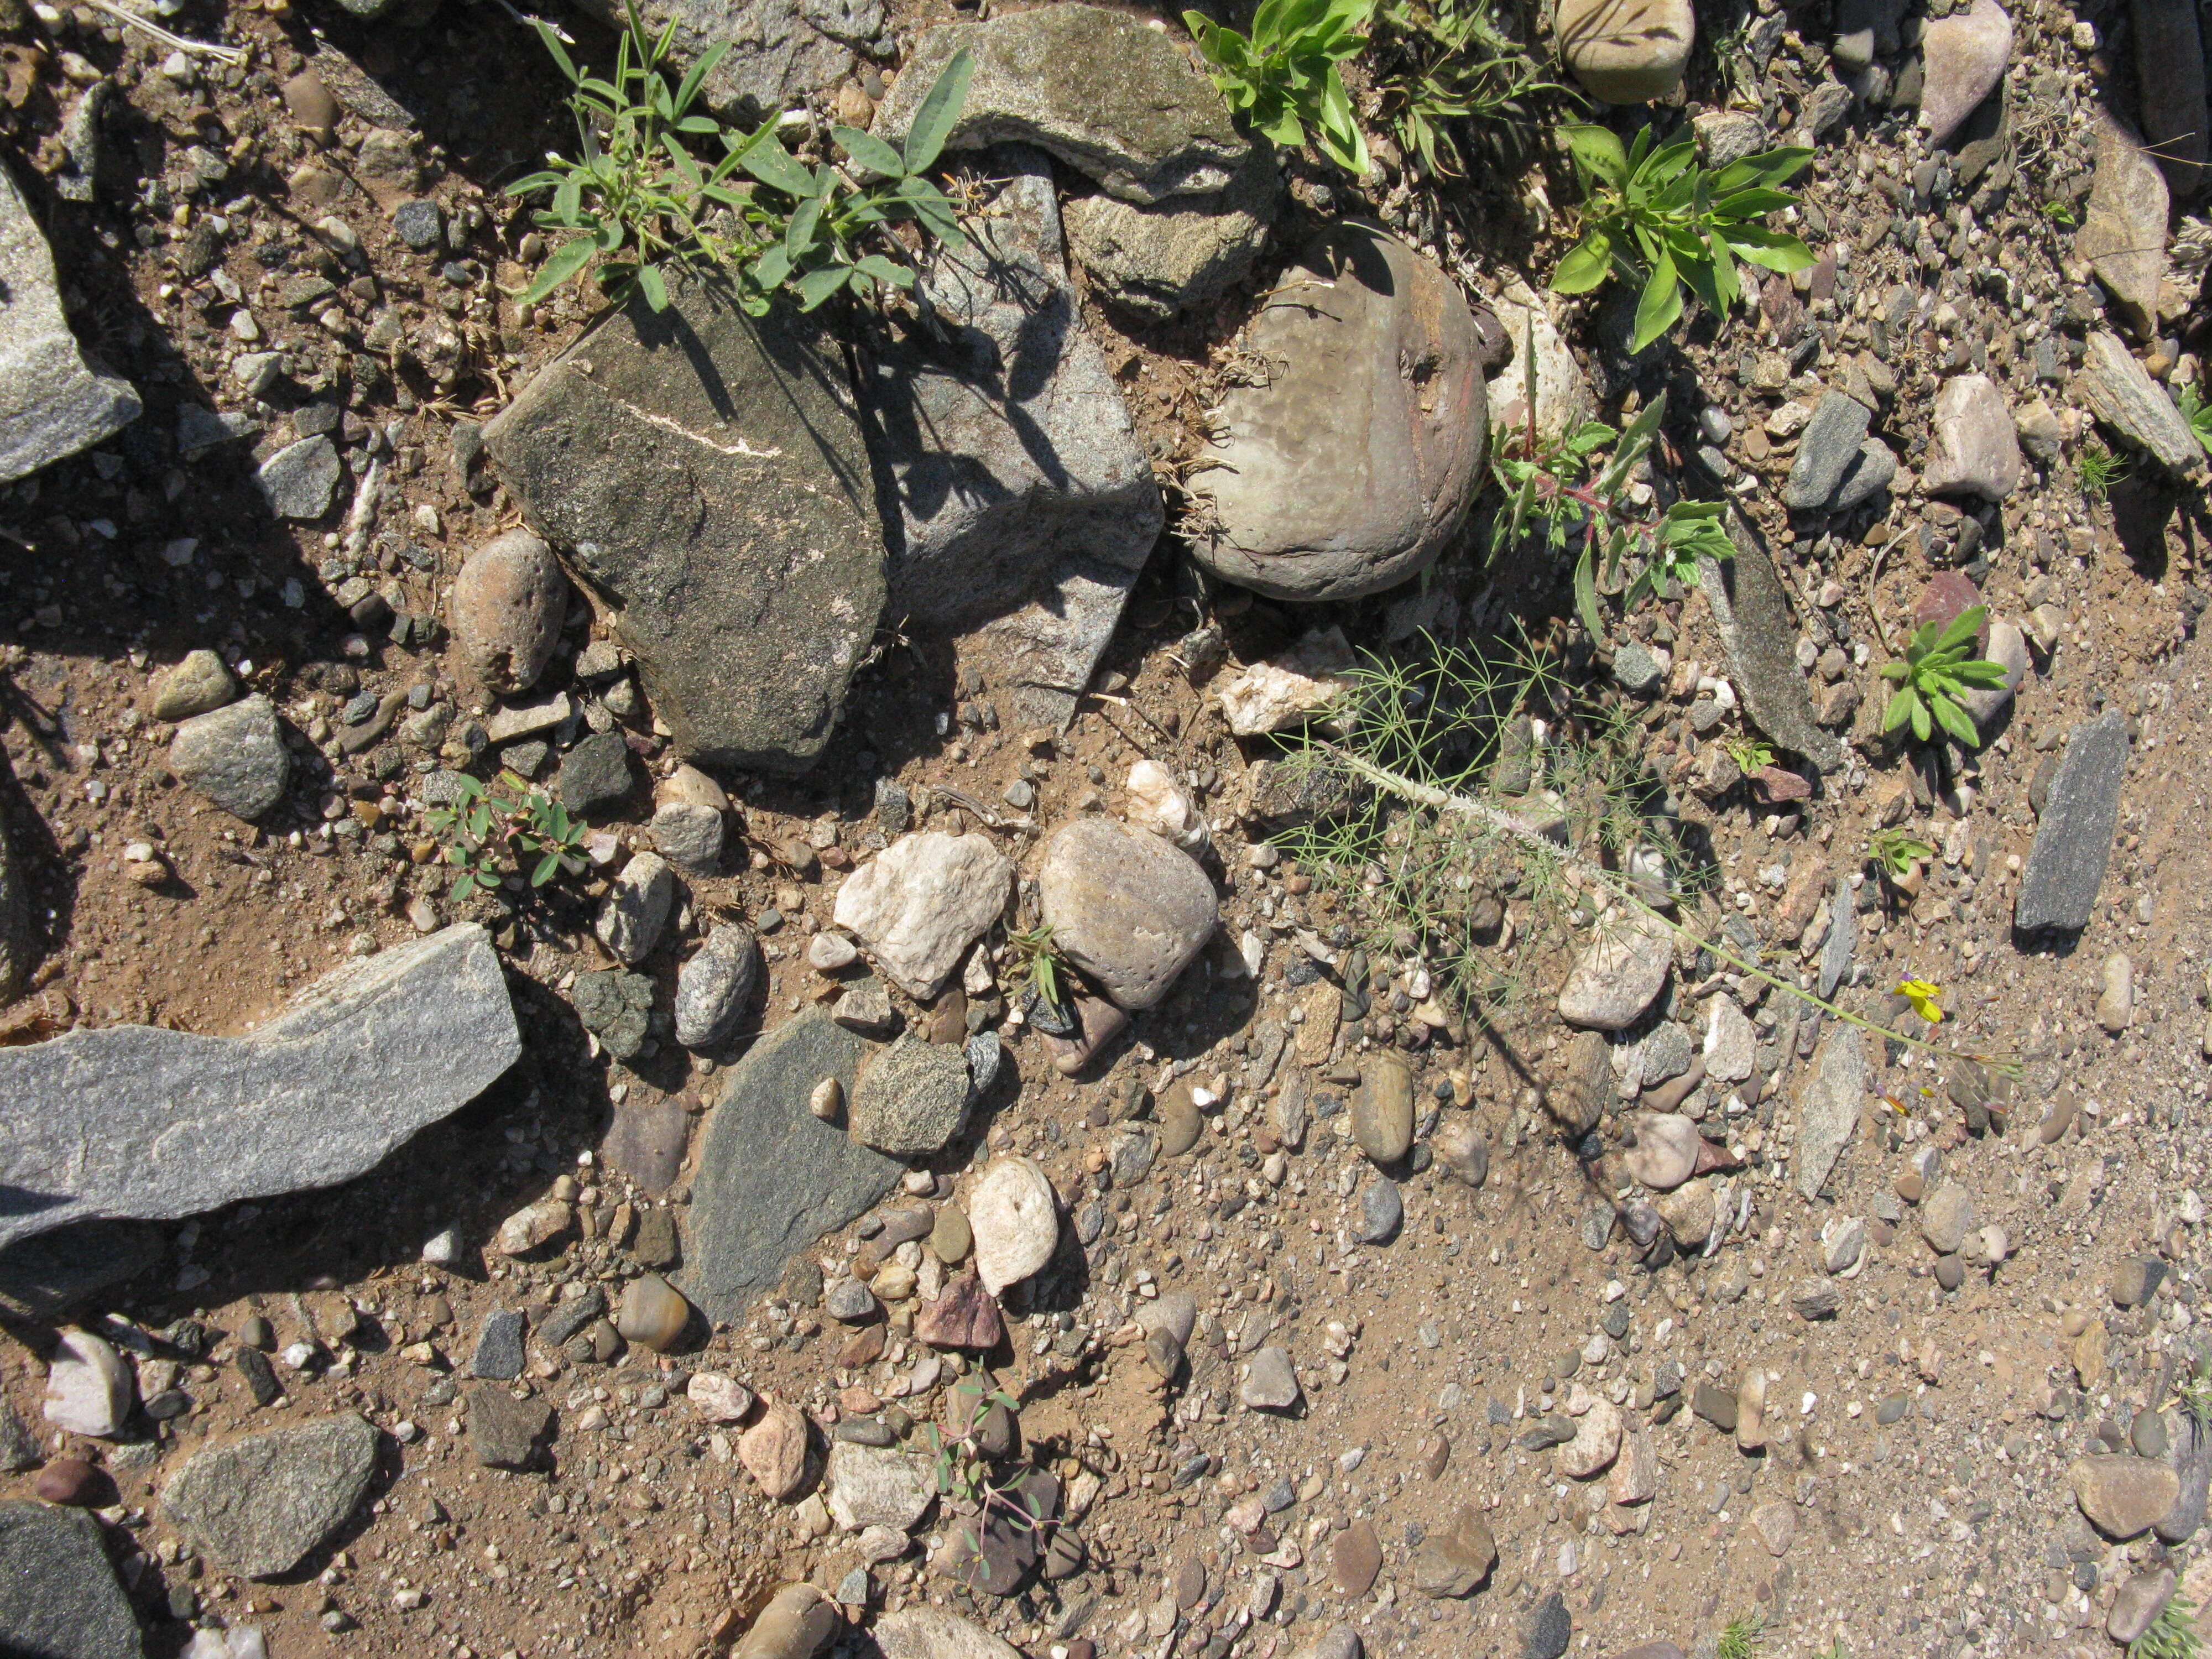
pixel 1345 468
pixel 1828 1107
pixel 1762 641
pixel 2074 836
pixel 132 1121
pixel 2119 391
pixel 780 51
pixel 2124 235
pixel 53 402
pixel 1117 102
pixel 1026 505
pixel 259 1505
pixel 772 1178
pixel 235 757
pixel 58 1595
pixel 706 473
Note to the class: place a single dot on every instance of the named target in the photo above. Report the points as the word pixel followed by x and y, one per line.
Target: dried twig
pixel 131 18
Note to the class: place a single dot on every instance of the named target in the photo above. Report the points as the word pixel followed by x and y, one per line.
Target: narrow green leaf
pixel 555 51
pixel 1772 249
pixel 885 270
pixel 696 74
pixel 1661 307
pixel 560 265
pixel 653 286
pixel 1586 595
pixel 933 121
pixel 1967 625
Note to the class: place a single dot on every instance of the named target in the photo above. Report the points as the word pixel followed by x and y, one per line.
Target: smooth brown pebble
pixel 654 1313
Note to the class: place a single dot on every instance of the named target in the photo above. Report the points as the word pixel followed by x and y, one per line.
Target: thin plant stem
pixel 1621 890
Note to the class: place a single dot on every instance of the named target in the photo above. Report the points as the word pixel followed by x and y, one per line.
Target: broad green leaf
pixel 1285 129
pixel 1661 307
pixel 1772 249
pixel 1776 166
pixel 560 265
pixel 1751 203
pixel 568 198
pixel 1902 703
pixel 885 270
pixel 817 286
pixel 1955 720
pixel 653 286
pixel 799 233
pixel 1965 626
pixel 771 268
pixel 869 151
pixel 1702 276
pixel 940 108
pixel 699 126
pixel 680 159
pixel 1588 264
pixel 778 169
pixel 1597 150
pixel 535 181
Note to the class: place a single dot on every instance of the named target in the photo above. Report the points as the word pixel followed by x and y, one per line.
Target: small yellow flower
pixel 1922 996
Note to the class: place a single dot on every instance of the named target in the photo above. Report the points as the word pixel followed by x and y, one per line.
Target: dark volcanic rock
pixel 2074 833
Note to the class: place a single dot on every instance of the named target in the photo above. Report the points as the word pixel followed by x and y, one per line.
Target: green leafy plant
pixel 1749 754
pixel 1652 215
pixel 1894 852
pixel 1442 67
pixel 2193 1391
pixel 1041 959
pixel 2198 413
pixel 2059 212
pixel 2172 1635
pixel 1740 1638
pixel 1935 670
pixel 1283 81
pixel 1560 487
pixel 1010 1505
pixel 2099 469
pixel 508 825
pixel 661 187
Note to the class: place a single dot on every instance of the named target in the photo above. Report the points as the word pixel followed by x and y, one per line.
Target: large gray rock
pixel 713 986
pixel 912 1100
pixel 1826 450
pixel 53 402
pixel 772 1178
pixel 1626 51
pixel 2074 835
pixel 183 1123
pixel 507 607
pixel 259 1505
pixel 1160 261
pixel 780 51
pixel 705 474
pixel 1127 907
pixel 1618 974
pixel 235 757
pixel 1345 468
pixel 2124 235
pixel 1117 102
pixel 1026 505
pixel 2119 391
pixel 1828 1107
pixel 1964 55
pixel 1754 619
pixel 918 1631
pixel 300 480
pixel 59 1597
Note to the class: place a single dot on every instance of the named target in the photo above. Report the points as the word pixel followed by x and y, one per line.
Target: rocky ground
pixel 710 1249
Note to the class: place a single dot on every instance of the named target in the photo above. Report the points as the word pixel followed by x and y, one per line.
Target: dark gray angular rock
pixel 2074 834
pixel 421 225
pixel 596 774
pixel 781 52
pixel 53 402
pixel 1381 1212
pixel 235 757
pixel 912 1099
pixel 616 1007
pixel 58 1595
pixel 1872 472
pixel 300 480
pixel 565 1321
pixel 1024 504
pixel 772 1178
pixel 1347 469
pixel 499 1351
pixel 1116 101
pixel 504 1432
pixel 2123 234
pixel 366 1057
pixel 1754 621
pixel 1546 1628
pixel 259 1505
pixel 705 474
pixel 1160 261
pixel 2189 1453
pixel 1826 450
